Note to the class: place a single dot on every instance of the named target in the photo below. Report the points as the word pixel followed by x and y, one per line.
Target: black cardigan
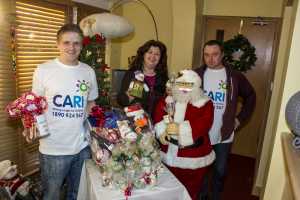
pixel 159 91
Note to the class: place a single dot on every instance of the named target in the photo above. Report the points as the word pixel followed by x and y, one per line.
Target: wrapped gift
pixel 137 86
pixel 30 108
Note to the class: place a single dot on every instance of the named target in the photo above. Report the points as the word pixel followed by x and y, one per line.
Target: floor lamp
pixel 112 25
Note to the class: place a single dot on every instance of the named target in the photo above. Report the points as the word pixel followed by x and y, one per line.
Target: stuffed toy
pixel 140 119
pixel 137 86
pixel 13 186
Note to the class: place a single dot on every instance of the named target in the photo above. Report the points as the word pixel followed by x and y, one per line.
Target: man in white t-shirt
pixel 70 88
pixel 224 86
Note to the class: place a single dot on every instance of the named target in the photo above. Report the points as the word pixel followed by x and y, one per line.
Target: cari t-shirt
pixel 67 90
pixel 215 87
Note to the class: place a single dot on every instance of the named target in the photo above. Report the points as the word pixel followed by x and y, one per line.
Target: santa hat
pixel 189 81
pixel 189 76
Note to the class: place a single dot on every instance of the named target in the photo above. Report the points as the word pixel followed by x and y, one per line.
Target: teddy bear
pixel 13 186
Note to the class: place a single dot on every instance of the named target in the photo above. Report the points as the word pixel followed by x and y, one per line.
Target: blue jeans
pixel 219 170
pixel 56 169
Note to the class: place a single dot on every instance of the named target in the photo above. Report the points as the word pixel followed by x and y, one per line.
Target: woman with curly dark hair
pixel 151 60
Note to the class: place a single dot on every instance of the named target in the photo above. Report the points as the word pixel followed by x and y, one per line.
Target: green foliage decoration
pixel 93 54
pixel 239 53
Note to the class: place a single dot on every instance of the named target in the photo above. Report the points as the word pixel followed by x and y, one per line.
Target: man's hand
pixel 30 134
pixel 236 123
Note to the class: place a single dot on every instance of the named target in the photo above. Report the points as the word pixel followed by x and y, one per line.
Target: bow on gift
pixel 26 107
pixel 96 117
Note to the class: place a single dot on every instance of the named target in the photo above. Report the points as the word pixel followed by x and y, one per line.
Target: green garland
pixel 247 56
pixel 93 54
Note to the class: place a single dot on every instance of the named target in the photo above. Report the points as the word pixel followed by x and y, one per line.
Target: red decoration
pixel 127 191
pixel 26 107
pixel 98 114
pixel 99 39
pixel 86 41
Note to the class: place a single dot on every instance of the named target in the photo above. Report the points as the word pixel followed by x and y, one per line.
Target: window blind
pixel 37 25
pixel 8 129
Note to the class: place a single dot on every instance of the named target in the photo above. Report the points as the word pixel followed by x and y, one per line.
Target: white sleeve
pixel 37 84
pixel 93 94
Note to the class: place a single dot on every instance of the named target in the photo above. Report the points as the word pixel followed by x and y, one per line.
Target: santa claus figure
pixel 182 122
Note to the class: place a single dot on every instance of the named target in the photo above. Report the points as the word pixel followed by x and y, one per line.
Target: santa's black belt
pixel 197 143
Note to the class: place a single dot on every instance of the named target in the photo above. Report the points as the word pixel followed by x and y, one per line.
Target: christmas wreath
pixel 93 54
pixel 239 53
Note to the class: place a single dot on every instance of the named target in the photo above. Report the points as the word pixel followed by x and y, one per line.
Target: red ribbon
pixel 127 191
pixel 98 113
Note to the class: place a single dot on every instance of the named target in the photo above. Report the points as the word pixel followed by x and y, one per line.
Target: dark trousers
pixel 219 170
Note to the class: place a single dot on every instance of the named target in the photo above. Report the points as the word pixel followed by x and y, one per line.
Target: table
pixel 90 188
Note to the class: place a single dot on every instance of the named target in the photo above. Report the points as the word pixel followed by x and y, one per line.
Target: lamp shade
pixel 110 25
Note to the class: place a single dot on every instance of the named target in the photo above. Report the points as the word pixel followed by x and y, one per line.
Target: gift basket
pixel 30 108
pixel 124 147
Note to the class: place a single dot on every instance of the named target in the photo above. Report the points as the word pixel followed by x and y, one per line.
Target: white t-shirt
pixel 215 87
pixel 67 90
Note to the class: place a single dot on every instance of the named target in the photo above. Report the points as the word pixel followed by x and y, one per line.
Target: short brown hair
pixel 215 43
pixel 69 28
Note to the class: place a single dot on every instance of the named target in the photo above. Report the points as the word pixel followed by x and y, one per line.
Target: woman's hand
pixel 130 98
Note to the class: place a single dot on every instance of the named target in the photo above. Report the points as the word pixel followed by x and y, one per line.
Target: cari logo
pixel 222 85
pixel 68 101
pixel 82 86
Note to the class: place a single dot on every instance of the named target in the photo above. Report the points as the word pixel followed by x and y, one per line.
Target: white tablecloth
pixel 168 187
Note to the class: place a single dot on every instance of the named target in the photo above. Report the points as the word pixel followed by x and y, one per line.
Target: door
pixel 262 35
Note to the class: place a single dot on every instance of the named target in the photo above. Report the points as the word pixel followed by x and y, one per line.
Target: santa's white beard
pixel 187 97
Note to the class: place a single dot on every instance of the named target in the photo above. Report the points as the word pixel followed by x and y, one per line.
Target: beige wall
pixel 184 13
pixel 250 8
pixel 175 21
pixel 144 29
pixel 276 175
pixel 176 24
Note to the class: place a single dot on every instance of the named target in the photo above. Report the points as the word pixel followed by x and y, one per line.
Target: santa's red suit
pixel 190 162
